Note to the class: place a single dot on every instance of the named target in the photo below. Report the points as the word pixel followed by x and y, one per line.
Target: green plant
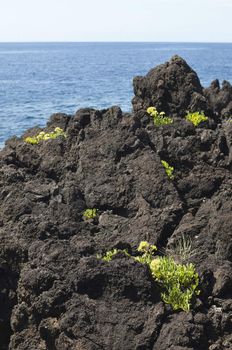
pixel 108 255
pixel 169 169
pixel 90 213
pixel 148 251
pixel 196 118
pixel 179 282
pixel 181 250
pixel 159 118
pixel 42 136
pixel 111 253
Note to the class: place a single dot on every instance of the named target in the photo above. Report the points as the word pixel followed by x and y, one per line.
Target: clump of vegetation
pixel 182 250
pixel 108 256
pixel 148 251
pixel 42 136
pixel 159 118
pixel 90 213
pixel 178 282
pixel 169 169
pixel 196 118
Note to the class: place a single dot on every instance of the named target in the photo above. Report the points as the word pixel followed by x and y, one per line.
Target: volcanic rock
pixel 54 291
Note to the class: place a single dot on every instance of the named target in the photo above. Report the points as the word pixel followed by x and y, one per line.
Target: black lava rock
pixel 54 292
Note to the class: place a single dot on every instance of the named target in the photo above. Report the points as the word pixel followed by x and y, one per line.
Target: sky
pixel 116 20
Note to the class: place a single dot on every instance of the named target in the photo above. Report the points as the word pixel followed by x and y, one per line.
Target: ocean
pixel 38 79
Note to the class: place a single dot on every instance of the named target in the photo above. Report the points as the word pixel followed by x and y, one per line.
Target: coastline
pixel 103 180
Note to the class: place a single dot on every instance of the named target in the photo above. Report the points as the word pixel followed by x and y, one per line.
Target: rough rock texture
pixel 175 88
pixel 54 292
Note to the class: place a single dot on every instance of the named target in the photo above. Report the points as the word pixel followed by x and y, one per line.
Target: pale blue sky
pixel 116 20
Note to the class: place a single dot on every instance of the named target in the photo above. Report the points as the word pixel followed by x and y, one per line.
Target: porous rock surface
pixel 54 292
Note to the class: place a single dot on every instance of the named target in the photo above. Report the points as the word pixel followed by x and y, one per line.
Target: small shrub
pixel 148 251
pixel 179 282
pixel 159 119
pixel 31 140
pixel 169 169
pixel 196 118
pixel 42 136
pixel 90 213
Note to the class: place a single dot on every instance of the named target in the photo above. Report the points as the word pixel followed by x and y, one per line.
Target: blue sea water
pixel 38 79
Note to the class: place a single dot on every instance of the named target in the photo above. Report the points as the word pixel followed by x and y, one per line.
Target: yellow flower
pixel 42 136
pixel 159 118
pixel 46 137
pixel 196 118
pixel 151 110
pixel 155 264
pixel 143 246
pixel 31 140
pixel 58 130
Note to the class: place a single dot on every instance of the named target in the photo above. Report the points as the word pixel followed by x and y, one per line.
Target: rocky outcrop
pixel 54 292
pixel 174 88
pixel 220 98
